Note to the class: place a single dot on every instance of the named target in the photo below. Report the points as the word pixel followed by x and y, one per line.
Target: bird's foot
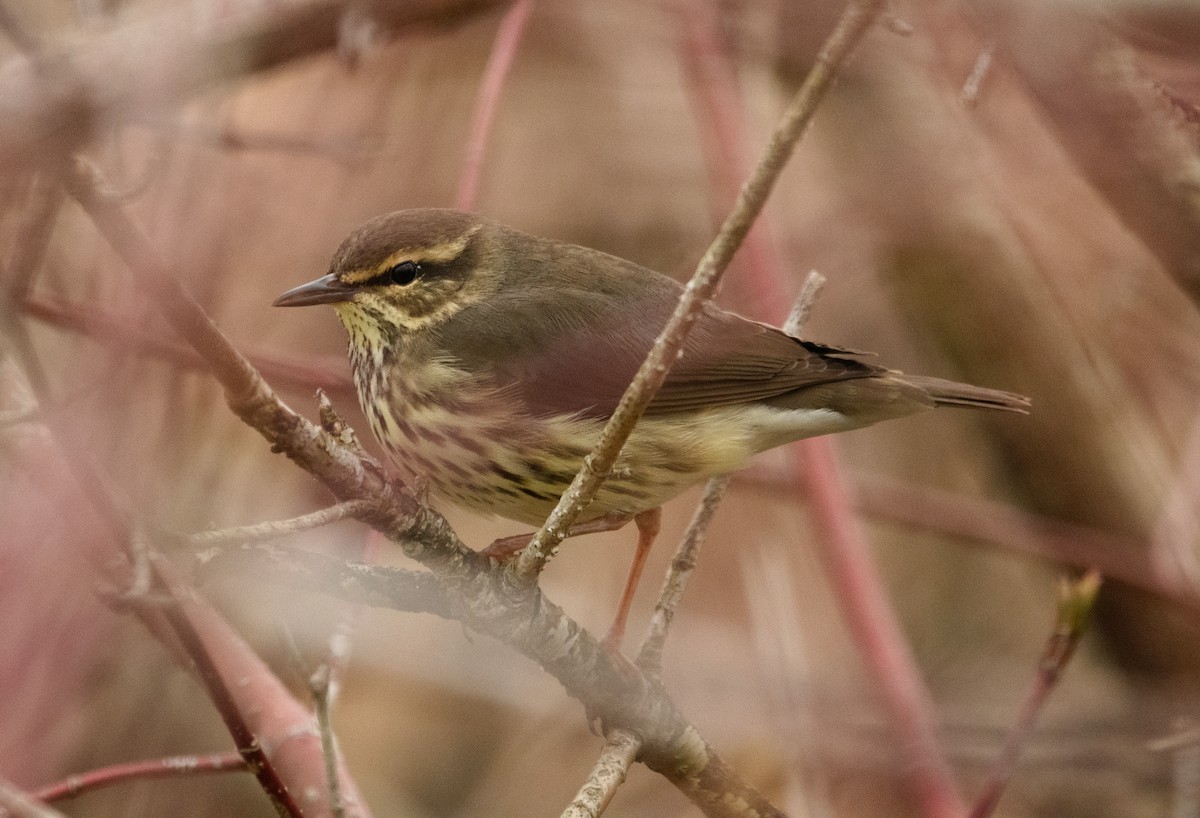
pixel 503 548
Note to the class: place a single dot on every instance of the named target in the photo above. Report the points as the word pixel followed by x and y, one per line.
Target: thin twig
pixel 649 657
pixel 504 50
pixel 810 291
pixel 325 682
pixel 321 686
pixel 169 767
pixel 597 465
pixel 608 774
pixel 273 530
pixel 1076 598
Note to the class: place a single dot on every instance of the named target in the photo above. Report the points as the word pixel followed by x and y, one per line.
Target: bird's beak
pixel 325 290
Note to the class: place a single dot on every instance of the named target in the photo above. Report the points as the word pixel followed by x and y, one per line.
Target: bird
pixel 487 360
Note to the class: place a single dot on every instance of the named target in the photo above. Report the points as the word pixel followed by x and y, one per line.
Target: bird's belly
pixel 480 452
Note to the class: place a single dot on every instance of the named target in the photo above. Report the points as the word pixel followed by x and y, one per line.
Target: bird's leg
pixel 505 547
pixel 648 524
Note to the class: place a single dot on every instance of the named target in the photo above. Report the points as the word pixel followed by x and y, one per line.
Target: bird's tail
pixel 952 393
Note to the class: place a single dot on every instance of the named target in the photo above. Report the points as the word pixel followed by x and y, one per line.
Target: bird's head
pixel 403 272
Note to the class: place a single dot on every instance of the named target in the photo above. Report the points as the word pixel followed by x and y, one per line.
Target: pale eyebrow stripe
pixel 438 253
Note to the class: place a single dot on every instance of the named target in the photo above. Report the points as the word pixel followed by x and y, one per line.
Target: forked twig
pixel 273 530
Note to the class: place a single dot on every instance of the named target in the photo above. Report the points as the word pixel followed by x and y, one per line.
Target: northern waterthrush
pixel 487 361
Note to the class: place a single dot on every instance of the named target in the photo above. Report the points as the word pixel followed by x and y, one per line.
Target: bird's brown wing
pixel 576 349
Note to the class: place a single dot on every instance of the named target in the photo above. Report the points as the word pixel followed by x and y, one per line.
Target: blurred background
pixel 1004 193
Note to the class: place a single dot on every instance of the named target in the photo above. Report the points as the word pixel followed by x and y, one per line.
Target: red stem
pixel 504 50
pixel 863 600
pixel 140 770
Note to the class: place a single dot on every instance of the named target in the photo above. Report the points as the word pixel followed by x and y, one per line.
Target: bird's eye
pixel 403 274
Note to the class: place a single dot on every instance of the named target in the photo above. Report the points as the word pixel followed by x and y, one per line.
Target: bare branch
pixel 539 629
pixel 810 291
pixel 997 525
pixel 376 586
